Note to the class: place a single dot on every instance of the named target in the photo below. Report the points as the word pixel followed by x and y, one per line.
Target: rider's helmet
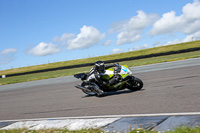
pixel 100 67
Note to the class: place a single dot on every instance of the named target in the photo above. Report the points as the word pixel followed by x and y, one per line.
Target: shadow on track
pixel 106 94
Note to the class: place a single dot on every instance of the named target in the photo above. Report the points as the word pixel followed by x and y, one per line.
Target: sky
pixel 34 32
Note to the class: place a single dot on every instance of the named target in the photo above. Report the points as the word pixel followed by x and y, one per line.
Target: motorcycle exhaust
pixel 83 88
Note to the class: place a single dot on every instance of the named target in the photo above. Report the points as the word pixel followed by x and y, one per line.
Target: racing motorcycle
pixel 122 73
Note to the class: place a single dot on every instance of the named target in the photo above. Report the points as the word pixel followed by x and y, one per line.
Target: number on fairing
pixel 124 69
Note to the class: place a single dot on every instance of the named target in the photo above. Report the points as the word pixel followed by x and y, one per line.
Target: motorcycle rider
pixel 96 71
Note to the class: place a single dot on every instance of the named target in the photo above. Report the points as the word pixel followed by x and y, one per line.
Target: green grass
pixel 185 130
pixel 67 72
pixel 51 131
pixel 168 48
pixel 161 59
pixel 177 130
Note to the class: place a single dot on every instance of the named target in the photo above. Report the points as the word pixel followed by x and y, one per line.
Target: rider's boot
pixel 98 91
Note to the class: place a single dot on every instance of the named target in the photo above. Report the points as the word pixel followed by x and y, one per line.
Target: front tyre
pixel 136 84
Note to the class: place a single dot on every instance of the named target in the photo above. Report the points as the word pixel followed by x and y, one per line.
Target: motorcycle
pixel 122 73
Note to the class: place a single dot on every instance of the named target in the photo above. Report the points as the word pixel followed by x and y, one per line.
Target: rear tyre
pixel 136 84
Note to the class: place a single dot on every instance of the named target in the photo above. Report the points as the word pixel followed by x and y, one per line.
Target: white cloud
pixel 9 50
pixel 157 44
pixel 7 55
pixel 145 46
pixel 131 30
pixel 188 22
pixel 64 38
pixel 108 42
pixel 128 37
pixel 88 36
pixel 192 37
pixel 116 51
pixel 176 41
pixel 189 38
pixel 43 49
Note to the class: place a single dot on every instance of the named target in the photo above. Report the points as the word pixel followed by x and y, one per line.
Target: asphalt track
pixel 168 88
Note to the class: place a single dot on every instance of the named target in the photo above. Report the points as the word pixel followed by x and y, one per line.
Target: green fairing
pixel 108 76
pixel 124 75
pixel 110 73
pixel 113 86
pixel 126 66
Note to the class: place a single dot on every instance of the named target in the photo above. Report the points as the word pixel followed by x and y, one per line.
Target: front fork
pixel 129 80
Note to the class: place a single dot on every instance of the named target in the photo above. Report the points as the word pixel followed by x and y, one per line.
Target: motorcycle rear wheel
pixel 136 84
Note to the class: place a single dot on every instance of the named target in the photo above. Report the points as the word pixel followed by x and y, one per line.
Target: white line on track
pixel 108 116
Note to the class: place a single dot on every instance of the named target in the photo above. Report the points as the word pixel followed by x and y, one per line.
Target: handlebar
pixel 118 69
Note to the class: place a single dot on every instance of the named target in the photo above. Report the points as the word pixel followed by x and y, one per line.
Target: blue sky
pixel 34 32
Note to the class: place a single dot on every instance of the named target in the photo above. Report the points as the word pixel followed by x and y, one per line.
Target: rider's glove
pixel 116 64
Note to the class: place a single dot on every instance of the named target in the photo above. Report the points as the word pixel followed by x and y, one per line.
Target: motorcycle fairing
pixel 108 74
pixel 125 71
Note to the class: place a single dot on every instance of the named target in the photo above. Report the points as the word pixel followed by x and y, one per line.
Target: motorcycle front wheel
pixel 136 84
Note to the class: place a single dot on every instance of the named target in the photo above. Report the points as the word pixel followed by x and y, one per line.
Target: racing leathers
pixel 94 75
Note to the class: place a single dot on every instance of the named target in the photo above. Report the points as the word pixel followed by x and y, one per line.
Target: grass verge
pixel 162 49
pixel 177 130
pixel 183 129
pixel 67 72
pixel 51 131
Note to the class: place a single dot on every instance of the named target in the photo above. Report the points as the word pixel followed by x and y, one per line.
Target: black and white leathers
pixel 94 75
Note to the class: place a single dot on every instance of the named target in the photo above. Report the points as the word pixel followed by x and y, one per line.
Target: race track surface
pixel 166 90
